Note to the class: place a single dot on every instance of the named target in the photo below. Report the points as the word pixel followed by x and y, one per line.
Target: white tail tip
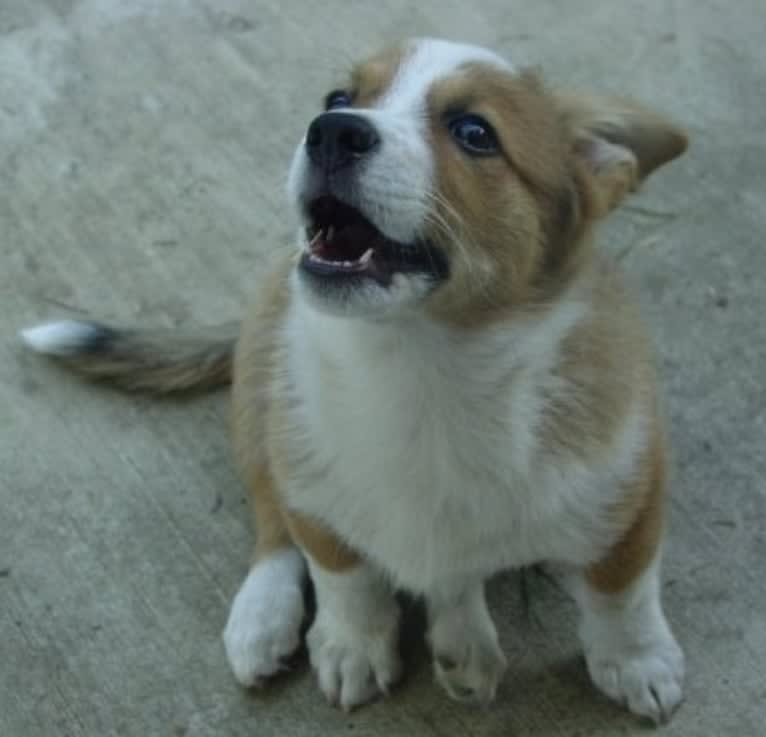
pixel 62 338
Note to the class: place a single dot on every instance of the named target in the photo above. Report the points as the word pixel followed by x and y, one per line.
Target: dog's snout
pixel 335 140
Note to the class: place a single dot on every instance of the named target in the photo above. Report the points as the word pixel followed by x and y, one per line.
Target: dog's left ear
pixel 618 144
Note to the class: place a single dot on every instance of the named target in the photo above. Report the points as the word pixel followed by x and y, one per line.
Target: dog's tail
pixel 153 361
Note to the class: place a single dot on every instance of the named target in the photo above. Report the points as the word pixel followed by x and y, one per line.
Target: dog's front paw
pixel 648 679
pixel 354 666
pixel 264 624
pixel 468 664
pixel 468 661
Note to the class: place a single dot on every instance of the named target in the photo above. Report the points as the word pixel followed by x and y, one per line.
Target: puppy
pixel 445 381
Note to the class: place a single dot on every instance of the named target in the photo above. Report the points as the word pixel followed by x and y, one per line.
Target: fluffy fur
pixel 425 437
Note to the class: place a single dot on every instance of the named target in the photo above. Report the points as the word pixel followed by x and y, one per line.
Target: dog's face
pixel 442 178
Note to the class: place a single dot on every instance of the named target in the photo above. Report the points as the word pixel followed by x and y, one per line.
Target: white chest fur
pixel 420 448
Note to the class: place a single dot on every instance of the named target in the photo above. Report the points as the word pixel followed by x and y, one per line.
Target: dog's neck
pixel 427 344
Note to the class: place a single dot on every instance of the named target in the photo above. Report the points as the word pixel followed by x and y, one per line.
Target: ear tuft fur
pixel 619 142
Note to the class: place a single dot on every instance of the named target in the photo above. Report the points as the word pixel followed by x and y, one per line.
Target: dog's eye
pixel 337 99
pixel 474 134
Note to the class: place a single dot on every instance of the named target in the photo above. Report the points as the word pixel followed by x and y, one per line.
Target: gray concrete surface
pixel 143 148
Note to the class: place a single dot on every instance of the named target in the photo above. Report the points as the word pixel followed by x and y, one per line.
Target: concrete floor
pixel 143 149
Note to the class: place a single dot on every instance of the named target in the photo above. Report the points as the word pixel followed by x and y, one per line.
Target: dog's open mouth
pixel 343 244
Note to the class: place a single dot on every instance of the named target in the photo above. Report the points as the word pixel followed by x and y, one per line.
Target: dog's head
pixel 441 177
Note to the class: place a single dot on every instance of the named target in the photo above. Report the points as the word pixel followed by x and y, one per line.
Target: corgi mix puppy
pixel 443 382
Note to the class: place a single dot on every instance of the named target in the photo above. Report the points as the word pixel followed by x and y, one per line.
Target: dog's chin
pixel 363 299
pixel 349 268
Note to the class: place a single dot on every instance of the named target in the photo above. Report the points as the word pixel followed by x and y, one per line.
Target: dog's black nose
pixel 335 140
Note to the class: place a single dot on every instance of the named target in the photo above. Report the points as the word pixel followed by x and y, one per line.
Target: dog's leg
pixel 631 652
pixel 468 661
pixel 264 624
pixel 353 642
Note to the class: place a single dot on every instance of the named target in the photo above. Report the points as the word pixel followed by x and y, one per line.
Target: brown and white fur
pixel 426 436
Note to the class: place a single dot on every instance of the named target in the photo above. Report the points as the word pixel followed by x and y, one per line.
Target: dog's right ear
pixel 618 143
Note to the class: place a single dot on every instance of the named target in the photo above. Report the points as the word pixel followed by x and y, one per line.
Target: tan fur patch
pixel 516 226
pixel 512 216
pixel 643 502
pixel 605 363
pixel 652 138
pixel 254 366
pixel 617 143
pixel 321 544
pixel 271 531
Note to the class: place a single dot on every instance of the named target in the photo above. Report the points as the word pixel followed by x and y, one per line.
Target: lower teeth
pixel 326 236
pixel 363 260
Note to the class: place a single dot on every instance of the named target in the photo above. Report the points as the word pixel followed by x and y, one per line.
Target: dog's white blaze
pixel 429 61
